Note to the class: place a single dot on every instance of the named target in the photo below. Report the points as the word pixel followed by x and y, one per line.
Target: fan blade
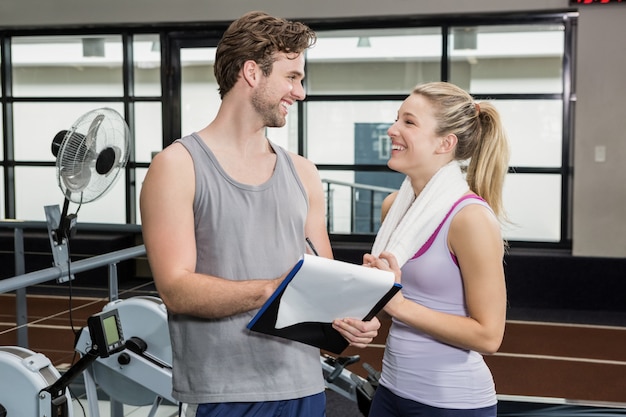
pixel 76 180
pixel 93 131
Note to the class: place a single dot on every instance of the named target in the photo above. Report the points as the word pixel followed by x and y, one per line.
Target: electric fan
pixel 89 158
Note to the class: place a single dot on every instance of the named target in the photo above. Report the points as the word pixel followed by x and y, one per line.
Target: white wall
pixel 600 187
pixel 599 228
pixel 63 12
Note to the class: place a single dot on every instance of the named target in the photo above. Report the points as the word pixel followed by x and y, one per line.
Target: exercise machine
pixel 126 353
pixel 31 386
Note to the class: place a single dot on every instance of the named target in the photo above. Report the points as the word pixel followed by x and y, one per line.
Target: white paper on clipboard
pixel 324 289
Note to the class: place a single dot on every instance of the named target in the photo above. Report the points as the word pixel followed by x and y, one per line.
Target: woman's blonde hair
pixel 481 138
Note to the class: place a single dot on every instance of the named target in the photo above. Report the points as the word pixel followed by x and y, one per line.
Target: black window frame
pixel 173 35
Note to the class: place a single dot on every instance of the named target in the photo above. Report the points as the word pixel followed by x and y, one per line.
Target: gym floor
pixel 542 369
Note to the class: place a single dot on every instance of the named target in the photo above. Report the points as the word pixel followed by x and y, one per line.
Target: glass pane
pixel 36 124
pixel 507 59
pixel 30 204
pixel 349 132
pixel 147 53
pixel 148 130
pixel 353 199
pixel 535 131
pixel 2 213
pixel 1 134
pixel 376 61
pixel 533 204
pixel 199 96
pixel 110 208
pixel 67 66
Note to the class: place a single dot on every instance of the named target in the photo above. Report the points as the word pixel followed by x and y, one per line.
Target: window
pixel 357 75
pixel 356 80
pixel 2 140
pixel 519 68
pixel 147 123
pixel 67 66
pixel 57 79
pixel 373 61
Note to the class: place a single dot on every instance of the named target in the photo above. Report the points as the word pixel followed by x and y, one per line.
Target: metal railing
pixel 353 208
pixel 22 280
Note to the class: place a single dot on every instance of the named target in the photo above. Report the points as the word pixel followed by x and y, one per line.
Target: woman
pixel 441 237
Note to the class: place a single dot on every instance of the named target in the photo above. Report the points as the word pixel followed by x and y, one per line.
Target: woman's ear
pixel 448 143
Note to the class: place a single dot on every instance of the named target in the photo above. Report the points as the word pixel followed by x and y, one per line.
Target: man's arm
pixel 168 231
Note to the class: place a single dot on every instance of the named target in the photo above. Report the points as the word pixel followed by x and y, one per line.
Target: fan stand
pixel 60 228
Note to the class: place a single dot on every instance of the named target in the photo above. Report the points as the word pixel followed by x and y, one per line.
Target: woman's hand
pixel 359 333
pixel 387 262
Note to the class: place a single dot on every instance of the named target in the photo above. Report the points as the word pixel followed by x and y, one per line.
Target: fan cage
pixel 92 155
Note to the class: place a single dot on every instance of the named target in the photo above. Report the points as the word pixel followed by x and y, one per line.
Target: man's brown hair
pixel 257 36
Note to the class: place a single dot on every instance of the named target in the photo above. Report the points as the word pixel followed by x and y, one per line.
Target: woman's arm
pixel 476 241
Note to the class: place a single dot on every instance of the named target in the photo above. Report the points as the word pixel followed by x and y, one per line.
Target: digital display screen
pixel 106 333
pixel 111 333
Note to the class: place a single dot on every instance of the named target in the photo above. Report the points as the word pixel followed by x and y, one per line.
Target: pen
pixel 311 246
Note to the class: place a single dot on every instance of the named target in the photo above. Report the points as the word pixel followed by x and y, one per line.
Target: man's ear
pixel 250 72
pixel 448 143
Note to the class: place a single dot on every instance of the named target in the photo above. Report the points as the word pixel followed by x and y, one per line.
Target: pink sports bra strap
pixel 432 237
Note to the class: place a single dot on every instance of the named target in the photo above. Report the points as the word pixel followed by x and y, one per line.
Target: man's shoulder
pixel 300 160
pixel 175 153
pixel 305 167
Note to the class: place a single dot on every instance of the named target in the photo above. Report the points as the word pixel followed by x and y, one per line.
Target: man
pixel 225 215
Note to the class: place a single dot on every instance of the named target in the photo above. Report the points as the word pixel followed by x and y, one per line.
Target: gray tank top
pixel 242 232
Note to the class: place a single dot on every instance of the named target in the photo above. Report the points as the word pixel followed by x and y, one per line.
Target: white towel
pixel 411 221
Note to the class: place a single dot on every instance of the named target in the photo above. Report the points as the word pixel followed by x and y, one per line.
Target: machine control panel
pixel 106 333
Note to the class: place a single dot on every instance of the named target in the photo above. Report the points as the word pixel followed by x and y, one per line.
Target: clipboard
pixel 318 290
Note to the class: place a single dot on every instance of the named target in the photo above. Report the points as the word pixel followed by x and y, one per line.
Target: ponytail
pixel 481 138
pixel 489 162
